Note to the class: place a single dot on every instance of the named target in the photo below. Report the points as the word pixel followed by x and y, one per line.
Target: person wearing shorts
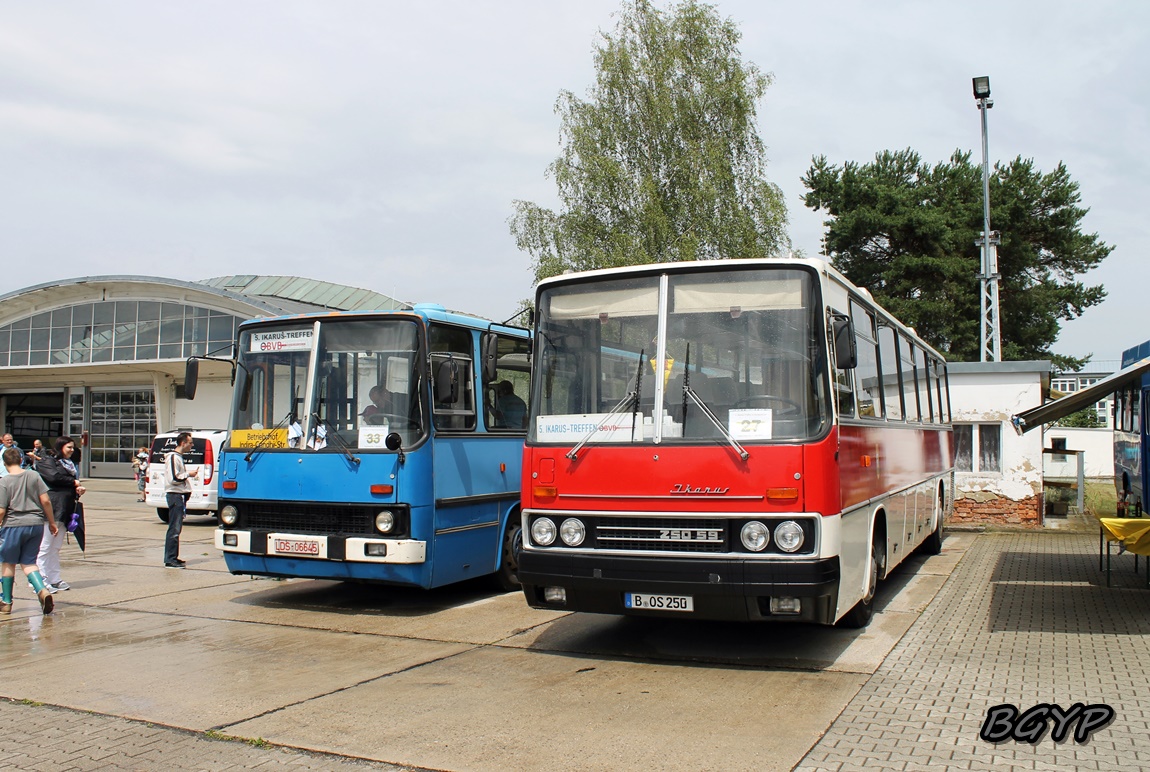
pixel 26 509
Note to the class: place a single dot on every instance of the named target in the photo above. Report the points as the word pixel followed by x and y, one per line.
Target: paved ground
pixel 145 668
pixel 1026 619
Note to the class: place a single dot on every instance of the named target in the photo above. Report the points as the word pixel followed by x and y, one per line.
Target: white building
pixel 101 358
pixel 998 474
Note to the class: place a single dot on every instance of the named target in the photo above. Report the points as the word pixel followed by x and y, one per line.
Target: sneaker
pixel 174 565
pixel 46 601
pixel 139 501
pixel 63 586
pixel 181 561
pixel 51 588
pixel 5 608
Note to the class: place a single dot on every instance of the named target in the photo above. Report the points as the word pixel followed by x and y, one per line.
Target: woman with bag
pixel 25 508
pixel 64 490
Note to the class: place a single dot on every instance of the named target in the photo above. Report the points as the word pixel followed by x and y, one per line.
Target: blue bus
pixel 375 447
pixel 1130 435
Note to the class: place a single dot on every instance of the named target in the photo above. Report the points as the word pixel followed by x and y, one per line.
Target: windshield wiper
pixel 267 437
pixel 334 434
pixel 631 400
pixel 689 392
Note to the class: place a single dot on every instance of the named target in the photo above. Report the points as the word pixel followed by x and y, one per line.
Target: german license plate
pixel 295 547
pixel 636 600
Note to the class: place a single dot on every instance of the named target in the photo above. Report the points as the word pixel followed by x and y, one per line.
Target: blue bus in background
pixel 375 447
pixel 1131 432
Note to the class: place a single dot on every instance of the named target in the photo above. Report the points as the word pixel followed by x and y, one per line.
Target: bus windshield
pixel 686 356
pixel 365 385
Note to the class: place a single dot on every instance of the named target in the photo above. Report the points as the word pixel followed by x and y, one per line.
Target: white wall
pixel 993 396
pixel 1099 447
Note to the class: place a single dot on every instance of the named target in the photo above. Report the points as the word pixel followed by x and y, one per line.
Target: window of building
pixel 987 438
pixel 117 331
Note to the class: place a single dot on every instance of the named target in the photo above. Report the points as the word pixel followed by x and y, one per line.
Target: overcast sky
pixel 381 144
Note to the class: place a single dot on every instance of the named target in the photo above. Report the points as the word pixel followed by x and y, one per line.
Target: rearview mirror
pixel 447 383
pixel 191 377
pixel 490 356
pixel 846 354
pixel 244 386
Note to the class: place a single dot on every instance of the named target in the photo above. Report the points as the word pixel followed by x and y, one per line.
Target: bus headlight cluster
pixel 789 536
pixel 385 521
pixel 229 515
pixel 755 536
pixel 572 532
pixel 543 532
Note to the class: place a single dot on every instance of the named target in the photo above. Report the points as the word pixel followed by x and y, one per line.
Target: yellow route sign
pixel 264 438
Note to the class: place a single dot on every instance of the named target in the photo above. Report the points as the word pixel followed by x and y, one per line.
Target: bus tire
pixel 162 513
pixel 933 543
pixel 507 575
pixel 860 616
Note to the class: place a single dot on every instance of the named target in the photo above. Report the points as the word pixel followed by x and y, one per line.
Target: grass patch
pixel 255 742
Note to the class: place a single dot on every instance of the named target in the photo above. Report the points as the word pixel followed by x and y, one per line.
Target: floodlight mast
pixel 990 336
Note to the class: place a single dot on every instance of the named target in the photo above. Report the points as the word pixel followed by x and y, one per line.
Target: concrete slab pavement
pixel 462 678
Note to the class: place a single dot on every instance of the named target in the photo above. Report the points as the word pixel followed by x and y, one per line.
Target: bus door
pixel 476 474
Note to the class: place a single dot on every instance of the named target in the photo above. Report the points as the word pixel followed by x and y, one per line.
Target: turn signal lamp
pixel 545 491
pixel 230 485
pixel 782 494
pixel 382 490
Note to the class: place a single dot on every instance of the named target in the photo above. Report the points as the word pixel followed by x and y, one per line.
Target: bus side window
pixel 505 395
pixel 867 384
pixel 452 377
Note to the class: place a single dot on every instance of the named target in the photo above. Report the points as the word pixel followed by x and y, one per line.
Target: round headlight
pixel 789 536
pixel 572 532
pixel 229 515
pixel 385 521
pixel 543 532
pixel 755 536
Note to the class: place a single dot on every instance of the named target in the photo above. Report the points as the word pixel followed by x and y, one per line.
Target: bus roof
pixel 426 311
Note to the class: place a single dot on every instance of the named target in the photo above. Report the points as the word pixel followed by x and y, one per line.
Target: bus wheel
pixel 933 543
pixel 507 575
pixel 163 514
pixel 863 611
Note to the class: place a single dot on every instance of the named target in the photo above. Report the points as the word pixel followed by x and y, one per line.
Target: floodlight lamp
pixel 982 87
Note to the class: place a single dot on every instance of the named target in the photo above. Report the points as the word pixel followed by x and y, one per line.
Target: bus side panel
pixel 467 528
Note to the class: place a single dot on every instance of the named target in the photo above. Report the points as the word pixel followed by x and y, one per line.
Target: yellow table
pixel 1133 533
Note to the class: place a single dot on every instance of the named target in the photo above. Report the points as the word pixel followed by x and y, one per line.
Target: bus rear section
pixel 375 447
pixel 686 454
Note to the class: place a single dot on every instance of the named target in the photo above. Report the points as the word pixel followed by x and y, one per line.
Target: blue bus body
pixel 369 446
pixel 1131 434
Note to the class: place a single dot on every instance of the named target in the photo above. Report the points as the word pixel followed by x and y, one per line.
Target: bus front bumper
pixel 733 589
pixel 315 547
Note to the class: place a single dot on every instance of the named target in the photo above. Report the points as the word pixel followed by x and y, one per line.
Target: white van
pixel 204 455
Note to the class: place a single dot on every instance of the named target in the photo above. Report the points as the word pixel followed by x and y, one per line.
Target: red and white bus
pixel 741 440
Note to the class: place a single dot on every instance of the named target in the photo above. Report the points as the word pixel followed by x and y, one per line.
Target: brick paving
pixel 1024 619
pixel 52 739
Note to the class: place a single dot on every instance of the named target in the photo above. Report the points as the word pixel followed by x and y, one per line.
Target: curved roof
pixel 250 295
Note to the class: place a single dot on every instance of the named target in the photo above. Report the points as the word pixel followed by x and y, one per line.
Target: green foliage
pixel 1086 418
pixel 907 231
pixel 663 161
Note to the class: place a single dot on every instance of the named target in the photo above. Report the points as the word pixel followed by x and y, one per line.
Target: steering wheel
pixel 791 408
pixel 391 419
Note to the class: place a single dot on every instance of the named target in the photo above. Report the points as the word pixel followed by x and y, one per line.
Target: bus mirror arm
pixel 394 441
pixel 689 392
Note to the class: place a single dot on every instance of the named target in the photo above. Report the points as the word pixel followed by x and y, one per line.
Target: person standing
pixel 177 489
pixel 33 456
pixel 140 462
pixel 9 442
pixel 59 473
pixel 26 506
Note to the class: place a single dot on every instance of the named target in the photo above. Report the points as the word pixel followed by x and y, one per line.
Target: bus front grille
pixel 662 534
pixel 308 518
